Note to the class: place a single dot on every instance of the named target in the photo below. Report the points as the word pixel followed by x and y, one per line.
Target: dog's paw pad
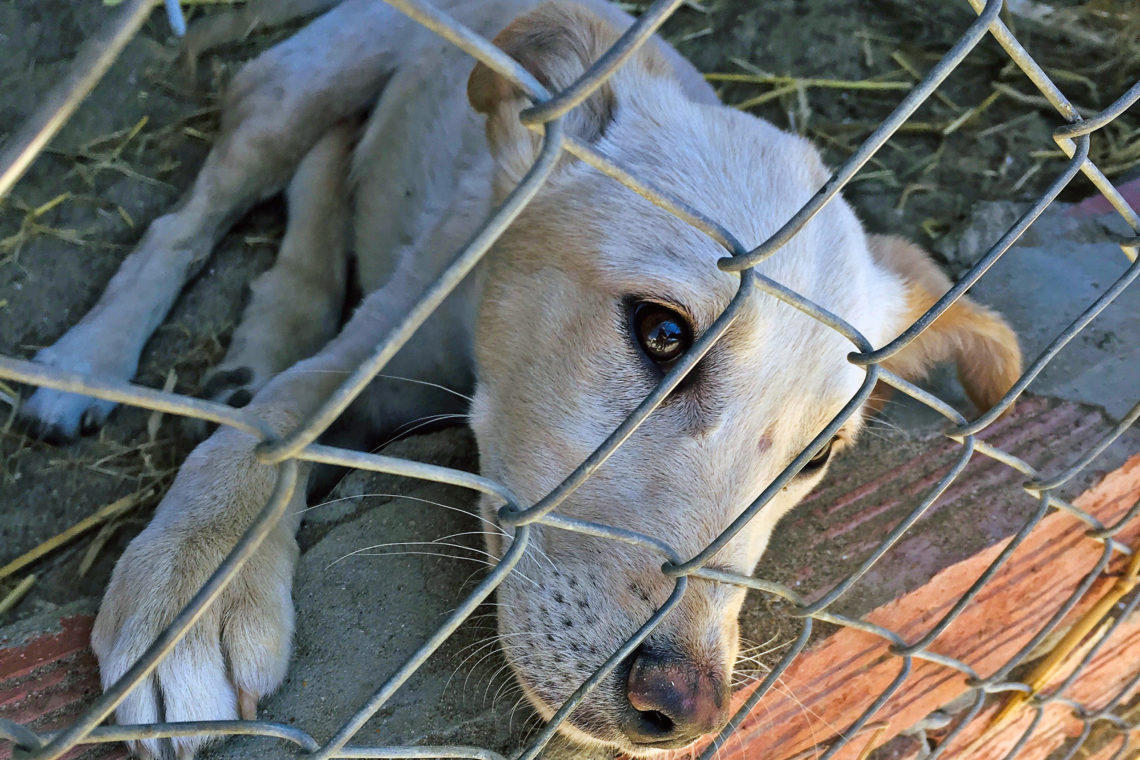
pixel 234 387
pixel 231 386
pixel 240 398
pixel 222 381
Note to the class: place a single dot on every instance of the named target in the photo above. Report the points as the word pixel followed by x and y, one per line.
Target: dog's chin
pixel 593 747
pixel 653 753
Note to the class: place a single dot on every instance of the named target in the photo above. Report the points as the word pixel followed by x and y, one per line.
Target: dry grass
pixel 987 112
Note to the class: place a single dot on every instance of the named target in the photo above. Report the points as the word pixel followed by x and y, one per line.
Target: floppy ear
pixel 555 42
pixel 975 338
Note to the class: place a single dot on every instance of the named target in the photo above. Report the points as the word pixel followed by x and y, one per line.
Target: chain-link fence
pixel 545 118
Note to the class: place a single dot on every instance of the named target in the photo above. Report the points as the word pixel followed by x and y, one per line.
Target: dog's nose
pixel 674 700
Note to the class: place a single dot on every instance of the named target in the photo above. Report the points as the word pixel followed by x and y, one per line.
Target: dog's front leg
pixel 276 109
pixel 238 651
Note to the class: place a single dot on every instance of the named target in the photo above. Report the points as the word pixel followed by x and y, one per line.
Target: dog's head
pixel 591 295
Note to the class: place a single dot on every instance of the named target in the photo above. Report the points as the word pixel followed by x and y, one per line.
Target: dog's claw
pixel 247 704
pixel 231 386
pixel 58 417
pixel 91 422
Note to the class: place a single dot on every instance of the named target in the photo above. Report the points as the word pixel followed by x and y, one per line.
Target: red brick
pixel 16 660
pixel 837 679
pixel 47 680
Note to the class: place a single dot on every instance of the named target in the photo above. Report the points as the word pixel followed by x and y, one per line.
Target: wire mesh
pixel 545 118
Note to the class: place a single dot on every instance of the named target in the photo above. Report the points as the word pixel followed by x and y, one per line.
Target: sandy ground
pixel 135 144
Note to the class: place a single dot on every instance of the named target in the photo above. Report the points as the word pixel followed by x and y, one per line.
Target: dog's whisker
pixel 755 658
pixel 464 534
pixel 883 423
pixel 452 391
pixel 463 586
pixel 479 646
pixel 782 687
pixel 732 732
pixel 508 691
pixel 753 646
pixel 483 655
pixel 533 552
pixel 461 510
pixel 410 427
pixel 438 555
pixel 491 640
pixel 461 547
pixel 367 552
pixel 786 689
pixel 503 645
pixel 472 618
pixel 474 650
pixel 491 682
pixel 529 723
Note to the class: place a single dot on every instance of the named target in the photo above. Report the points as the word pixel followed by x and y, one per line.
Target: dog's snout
pixel 673 701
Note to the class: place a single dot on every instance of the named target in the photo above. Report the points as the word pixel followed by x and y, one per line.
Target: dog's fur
pixel 540 332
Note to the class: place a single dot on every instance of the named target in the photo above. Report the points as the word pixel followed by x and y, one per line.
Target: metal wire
pixel 545 117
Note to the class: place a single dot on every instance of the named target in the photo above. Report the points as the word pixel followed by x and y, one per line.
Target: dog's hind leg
pixel 296 306
pixel 276 109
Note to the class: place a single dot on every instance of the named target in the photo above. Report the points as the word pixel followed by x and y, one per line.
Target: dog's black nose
pixel 673 701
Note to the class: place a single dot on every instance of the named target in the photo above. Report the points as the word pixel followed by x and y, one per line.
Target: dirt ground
pixel 829 69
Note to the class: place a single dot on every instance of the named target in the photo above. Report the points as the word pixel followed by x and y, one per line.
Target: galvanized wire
pixel 544 117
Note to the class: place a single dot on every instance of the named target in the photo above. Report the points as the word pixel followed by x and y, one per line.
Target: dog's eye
pixel 816 463
pixel 664 334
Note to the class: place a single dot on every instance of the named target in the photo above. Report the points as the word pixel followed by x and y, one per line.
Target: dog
pixel 392 147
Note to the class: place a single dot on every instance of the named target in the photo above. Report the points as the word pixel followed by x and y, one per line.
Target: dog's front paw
pixel 238 650
pixel 59 417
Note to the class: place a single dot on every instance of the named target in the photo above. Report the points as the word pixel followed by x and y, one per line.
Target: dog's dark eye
pixel 663 333
pixel 816 463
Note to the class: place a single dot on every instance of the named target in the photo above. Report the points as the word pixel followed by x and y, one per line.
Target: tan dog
pixel 586 300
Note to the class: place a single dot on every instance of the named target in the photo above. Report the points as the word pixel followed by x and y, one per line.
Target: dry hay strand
pixel 113 511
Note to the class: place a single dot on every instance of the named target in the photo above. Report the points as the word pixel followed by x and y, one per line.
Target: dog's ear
pixel 556 42
pixel 975 338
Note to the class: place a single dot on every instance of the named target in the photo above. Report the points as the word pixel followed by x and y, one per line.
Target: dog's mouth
pixel 656 748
